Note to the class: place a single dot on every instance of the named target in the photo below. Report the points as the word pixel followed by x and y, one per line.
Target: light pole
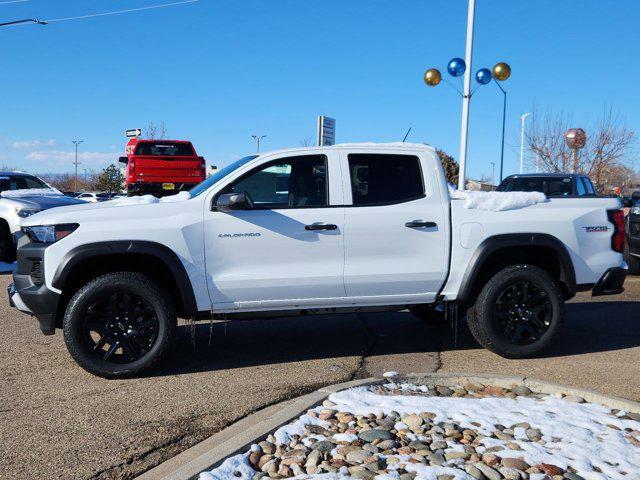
pixel 27 20
pixel 456 67
pixel 522 119
pixel 75 163
pixel 493 173
pixel 258 139
pixel 466 95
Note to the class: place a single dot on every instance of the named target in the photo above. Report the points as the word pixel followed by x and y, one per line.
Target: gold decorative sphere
pixel 432 77
pixel 501 71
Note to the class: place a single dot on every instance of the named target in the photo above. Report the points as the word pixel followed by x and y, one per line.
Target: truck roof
pixel 552 175
pixel 402 146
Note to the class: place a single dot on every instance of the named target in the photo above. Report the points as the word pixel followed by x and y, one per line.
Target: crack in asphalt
pixel 358 372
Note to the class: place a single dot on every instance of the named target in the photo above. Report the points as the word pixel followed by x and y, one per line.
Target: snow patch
pixel 31 192
pixel 147 199
pixel 391 374
pixel 585 434
pixel 497 201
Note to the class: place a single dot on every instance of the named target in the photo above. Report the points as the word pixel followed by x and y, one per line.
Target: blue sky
pixel 217 72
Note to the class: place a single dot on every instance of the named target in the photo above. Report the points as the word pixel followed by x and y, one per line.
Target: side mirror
pixel 124 160
pixel 231 201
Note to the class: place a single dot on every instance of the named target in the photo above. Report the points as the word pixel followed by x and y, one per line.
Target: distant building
pixel 479 186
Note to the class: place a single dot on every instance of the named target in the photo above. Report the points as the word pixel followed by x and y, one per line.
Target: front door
pixel 396 241
pixel 286 248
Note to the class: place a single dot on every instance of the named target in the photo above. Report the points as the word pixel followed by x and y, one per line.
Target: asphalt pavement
pixel 57 421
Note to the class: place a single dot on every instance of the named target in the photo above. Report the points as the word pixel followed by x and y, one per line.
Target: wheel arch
pixel 495 253
pixel 158 261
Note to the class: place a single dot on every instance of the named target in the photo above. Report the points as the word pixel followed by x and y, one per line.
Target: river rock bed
pixel 471 432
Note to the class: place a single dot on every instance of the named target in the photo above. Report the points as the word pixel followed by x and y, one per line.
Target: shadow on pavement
pixel 588 327
pixel 245 343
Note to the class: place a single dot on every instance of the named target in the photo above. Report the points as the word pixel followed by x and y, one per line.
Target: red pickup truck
pixel 162 167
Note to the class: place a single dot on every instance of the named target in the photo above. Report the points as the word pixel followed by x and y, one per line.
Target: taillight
pixel 203 170
pixel 617 240
pixel 132 167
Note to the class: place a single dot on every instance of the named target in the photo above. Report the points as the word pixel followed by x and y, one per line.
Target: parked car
pixel 305 231
pixel 95 197
pixel 551 184
pixel 22 195
pixel 632 253
pixel 161 167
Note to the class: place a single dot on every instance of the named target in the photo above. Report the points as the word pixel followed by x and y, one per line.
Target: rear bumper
pixel 155 188
pixel 611 282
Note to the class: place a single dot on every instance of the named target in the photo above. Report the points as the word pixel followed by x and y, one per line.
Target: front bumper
pixel 28 292
pixel 611 282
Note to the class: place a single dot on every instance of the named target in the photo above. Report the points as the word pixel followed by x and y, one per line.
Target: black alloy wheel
pixel 523 312
pixel 120 328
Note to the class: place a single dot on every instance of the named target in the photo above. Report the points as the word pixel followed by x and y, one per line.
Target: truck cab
pixel 161 167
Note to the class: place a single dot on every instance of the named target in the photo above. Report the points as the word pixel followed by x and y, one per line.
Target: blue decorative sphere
pixel 456 67
pixel 483 76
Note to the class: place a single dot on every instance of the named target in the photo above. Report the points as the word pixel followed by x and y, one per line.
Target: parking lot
pixel 57 421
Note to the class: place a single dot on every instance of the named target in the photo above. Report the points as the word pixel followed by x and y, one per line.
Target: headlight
pixel 25 212
pixel 635 211
pixel 49 233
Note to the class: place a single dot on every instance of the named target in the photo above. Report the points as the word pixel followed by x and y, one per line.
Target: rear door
pixel 396 227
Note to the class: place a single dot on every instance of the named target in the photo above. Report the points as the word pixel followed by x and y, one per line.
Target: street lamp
pixel 493 173
pixel 456 68
pixel 27 20
pixel 258 140
pixel 522 119
pixel 75 182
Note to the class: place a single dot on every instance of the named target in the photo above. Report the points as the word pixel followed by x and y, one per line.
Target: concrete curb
pixel 239 436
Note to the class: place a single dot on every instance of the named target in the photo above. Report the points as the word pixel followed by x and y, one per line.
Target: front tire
pixel 119 325
pixel 518 312
pixel 632 262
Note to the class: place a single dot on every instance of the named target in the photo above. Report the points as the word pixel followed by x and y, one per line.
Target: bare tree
pixel 156 132
pixel 307 142
pixel 609 145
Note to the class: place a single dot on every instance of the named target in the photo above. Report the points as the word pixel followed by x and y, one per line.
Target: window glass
pixel 219 175
pixel 165 149
pixel 580 187
pixel 290 182
pixel 20 182
pixel 550 186
pixel 384 179
pixel 588 186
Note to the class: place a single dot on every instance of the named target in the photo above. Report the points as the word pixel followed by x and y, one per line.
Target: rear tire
pixel 7 245
pixel 518 312
pixel 633 262
pixel 119 325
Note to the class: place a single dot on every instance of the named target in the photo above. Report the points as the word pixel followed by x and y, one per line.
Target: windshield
pixel 20 182
pixel 550 186
pixel 165 149
pixel 219 175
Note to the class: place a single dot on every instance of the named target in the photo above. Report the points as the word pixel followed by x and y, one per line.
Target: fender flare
pixel 498 242
pixel 130 247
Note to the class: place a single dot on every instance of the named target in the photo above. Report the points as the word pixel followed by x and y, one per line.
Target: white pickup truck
pixel 357 227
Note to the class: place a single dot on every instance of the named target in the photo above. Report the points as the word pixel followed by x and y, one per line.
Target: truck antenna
pixel 406 135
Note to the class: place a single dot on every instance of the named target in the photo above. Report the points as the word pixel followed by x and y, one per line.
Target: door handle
pixel 420 224
pixel 321 226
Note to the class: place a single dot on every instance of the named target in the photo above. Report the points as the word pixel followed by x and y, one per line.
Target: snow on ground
pixel 586 437
pixel 146 199
pixel 497 201
pixel 30 192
